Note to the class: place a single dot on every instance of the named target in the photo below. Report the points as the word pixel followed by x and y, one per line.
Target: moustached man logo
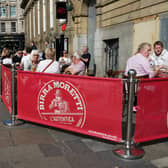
pixel 62 103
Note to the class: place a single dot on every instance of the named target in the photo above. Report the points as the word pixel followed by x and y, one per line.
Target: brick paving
pixel 31 145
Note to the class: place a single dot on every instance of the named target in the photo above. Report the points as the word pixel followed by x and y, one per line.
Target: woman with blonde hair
pixel 49 65
pixel 140 63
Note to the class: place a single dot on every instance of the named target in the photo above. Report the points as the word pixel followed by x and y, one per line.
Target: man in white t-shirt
pixel 159 56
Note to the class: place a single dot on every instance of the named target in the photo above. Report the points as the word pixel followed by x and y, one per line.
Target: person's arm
pixel 84 59
pixel 152 73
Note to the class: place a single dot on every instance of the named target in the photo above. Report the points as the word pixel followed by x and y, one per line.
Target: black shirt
pixel 86 56
pixel 16 59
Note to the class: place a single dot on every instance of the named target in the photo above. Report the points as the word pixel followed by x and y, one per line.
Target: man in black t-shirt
pixel 17 58
pixel 85 57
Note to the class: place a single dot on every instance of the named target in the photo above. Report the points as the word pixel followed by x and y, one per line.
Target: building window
pixel 2 11
pixel 44 16
pixel 51 14
pixel 3 28
pixel 112 50
pixel 13 10
pixel 13 26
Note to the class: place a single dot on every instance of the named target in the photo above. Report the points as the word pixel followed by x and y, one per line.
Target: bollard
pixel 13 121
pixel 129 151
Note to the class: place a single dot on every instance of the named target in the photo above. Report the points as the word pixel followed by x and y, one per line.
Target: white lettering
pixel 42 107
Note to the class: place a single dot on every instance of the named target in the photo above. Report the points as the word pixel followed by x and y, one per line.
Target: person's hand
pixel 158 67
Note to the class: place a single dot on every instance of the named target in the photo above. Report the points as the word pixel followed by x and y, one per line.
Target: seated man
pixel 18 57
pixel 77 67
pixel 159 56
pixel 140 63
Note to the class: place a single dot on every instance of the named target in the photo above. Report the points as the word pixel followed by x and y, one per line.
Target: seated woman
pixel 140 63
pixel 30 62
pixel 6 57
pixel 77 67
pixel 49 65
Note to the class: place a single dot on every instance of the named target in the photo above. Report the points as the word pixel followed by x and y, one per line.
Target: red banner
pixel 86 105
pixel 7 88
pixel 152 113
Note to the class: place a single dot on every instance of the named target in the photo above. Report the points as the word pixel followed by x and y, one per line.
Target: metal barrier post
pixel 13 121
pixel 129 151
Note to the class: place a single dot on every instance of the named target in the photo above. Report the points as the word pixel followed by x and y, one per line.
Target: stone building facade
pixel 11 25
pixel 112 29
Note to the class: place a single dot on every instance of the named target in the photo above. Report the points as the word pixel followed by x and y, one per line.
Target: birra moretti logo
pixel 62 103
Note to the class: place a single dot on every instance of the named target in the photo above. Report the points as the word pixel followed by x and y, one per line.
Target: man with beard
pixel 159 56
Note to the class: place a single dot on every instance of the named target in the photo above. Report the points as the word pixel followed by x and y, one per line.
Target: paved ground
pixel 31 146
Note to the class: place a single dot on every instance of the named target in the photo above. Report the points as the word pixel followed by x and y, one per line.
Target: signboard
pixel 152 110
pixel 86 105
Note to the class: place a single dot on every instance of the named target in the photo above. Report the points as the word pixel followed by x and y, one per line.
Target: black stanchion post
pixel 13 121
pixel 129 151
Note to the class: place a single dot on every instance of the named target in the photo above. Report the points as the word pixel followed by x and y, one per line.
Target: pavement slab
pixel 97 146
pixel 161 163
pixel 31 136
pixel 156 150
pixel 50 150
pixel 20 152
pixel 5 138
pixel 57 162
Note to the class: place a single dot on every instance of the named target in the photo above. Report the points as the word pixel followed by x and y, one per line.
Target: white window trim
pixel 38 15
pixel 30 26
pixel 51 14
pixel 44 16
pixel 34 22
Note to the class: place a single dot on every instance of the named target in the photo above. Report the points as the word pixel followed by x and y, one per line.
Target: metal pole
pixel 13 121
pixel 129 151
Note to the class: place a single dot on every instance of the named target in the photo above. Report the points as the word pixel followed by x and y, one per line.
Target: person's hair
pixel 50 53
pixel 28 49
pixel 158 43
pixel 77 55
pixel 20 49
pixel 65 52
pixel 142 46
pixel 86 47
pixel 6 52
pixel 47 41
pixel 34 52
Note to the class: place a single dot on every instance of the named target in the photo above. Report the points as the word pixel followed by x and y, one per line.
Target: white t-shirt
pixel 53 68
pixel 162 59
pixel 7 61
pixel 27 62
pixel 64 60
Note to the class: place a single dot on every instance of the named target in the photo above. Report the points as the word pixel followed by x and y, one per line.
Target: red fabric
pixel 152 110
pixel 7 88
pixel 87 105
pixel 63 27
